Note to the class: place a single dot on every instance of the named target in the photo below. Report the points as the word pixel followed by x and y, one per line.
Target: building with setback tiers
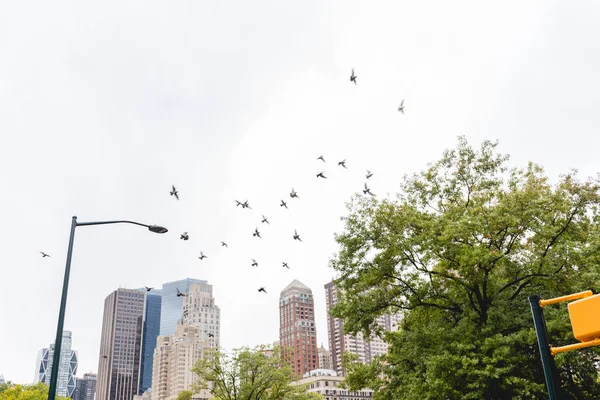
pixel 199 310
pixel 297 331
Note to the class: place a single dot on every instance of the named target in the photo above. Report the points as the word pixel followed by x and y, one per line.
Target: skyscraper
pixel 121 345
pixel 171 306
pixel 86 387
pixel 324 358
pixel 297 329
pixel 66 370
pixel 150 333
pixel 2 379
pixel 339 342
pixel 200 310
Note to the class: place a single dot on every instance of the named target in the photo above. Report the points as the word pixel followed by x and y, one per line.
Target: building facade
pixel 85 389
pixel 326 382
pixel 199 310
pixel 324 358
pixel 339 342
pixel 174 358
pixel 66 370
pixel 297 330
pixel 2 380
pixel 120 361
pixel 151 330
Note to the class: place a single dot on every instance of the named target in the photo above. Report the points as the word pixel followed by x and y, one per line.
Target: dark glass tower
pixel 151 332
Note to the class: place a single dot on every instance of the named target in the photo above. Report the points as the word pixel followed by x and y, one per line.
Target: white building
pixel 67 367
pixel 200 310
pixel 326 382
pixel 324 358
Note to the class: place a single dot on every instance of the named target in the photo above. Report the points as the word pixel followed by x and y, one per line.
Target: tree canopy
pixel 458 251
pixel 39 391
pixel 249 374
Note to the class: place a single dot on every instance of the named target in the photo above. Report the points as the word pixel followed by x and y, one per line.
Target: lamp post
pixel 63 300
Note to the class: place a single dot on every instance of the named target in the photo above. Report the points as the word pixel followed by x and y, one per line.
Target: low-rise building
pixel 326 382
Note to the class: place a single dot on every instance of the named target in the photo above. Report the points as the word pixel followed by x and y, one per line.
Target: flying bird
pixel 265 220
pixel 254 263
pixel 256 233
pixel 104 356
pixel 246 205
pixel 353 77
pixel 296 236
pixel 285 265
pixel 401 107
pixel 321 158
pixel 223 244
pixel 211 334
pixel 367 190
pixel 202 256
pixel 283 204
pixel 369 174
pixel 174 192
pixel 44 254
pixel 148 288
pixel 343 164
pixel 321 175
pixel 179 294
pixel 262 289
pixel 293 194
pixel 239 203
pixel 184 236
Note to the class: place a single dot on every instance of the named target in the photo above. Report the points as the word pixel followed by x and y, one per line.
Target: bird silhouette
pixel 401 107
pixel 148 288
pixel 283 204
pixel 321 158
pixel 321 175
pixel 44 254
pixel 367 190
pixel 285 265
pixel 254 263
pixel 179 294
pixel 174 192
pixel 265 220
pixel 184 236
pixel 293 194
pixel 256 233
pixel 296 236
pixel 369 174
pixel 353 77
pixel 239 203
pixel 246 205
pixel 104 356
pixel 223 244
pixel 262 289
pixel 202 256
pixel 343 163
pixel 211 334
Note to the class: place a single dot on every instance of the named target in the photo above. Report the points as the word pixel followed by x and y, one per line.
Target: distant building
pixel 121 345
pixel 339 342
pixel 297 331
pixel 324 358
pixel 151 331
pixel 174 358
pixel 200 310
pixel 86 387
pixel 66 370
pixel 326 382
pixel 2 379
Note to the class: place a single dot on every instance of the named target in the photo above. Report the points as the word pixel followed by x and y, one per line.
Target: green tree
pixel 185 395
pixel 11 391
pixel 249 374
pixel 458 252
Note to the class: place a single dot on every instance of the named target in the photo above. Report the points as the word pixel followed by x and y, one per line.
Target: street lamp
pixel 63 300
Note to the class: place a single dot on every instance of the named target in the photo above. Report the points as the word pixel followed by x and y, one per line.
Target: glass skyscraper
pixel 151 332
pixel 172 306
pixel 67 367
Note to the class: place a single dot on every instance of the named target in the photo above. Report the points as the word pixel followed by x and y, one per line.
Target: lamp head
pixel 158 229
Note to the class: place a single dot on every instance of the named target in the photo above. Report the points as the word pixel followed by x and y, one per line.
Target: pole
pixel 550 372
pixel 61 317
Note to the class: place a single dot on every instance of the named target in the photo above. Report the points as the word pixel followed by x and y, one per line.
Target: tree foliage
pixel 458 252
pixel 39 391
pixel 249 374
pixel 185 395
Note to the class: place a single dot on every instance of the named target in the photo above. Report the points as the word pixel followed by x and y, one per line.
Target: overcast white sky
pixel 104 106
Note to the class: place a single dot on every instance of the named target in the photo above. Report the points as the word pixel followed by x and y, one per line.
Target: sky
pixel 105 105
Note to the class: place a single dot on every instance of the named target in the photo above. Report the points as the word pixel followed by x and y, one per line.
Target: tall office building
pixel 324 358
pixel 365 348
pixel 67 367
pixel 86 387
pixel 121 345
pixel 151 331
pixel 171 306
pixel 200 310
pixel 297 329
pixel 174 358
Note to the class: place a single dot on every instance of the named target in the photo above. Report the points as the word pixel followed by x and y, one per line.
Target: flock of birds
pixel 246 205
